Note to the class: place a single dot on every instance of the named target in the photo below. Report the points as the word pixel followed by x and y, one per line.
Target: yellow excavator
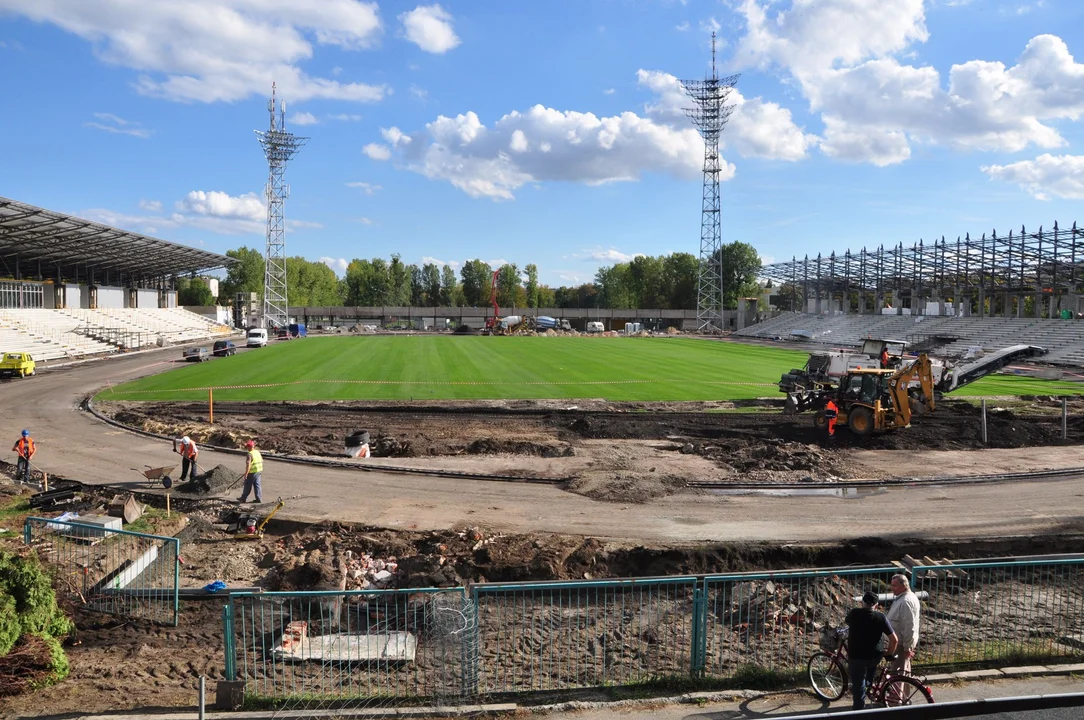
pixel 871 400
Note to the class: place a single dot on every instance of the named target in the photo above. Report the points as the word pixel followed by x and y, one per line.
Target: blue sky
pixel 546 132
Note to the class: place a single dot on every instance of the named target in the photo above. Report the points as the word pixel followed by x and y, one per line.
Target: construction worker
pixel 188 452
pixel 831 412
pixel 884 358
pixel 24 447
pixel 253 470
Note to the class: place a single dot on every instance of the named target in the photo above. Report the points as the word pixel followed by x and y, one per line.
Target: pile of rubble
pixel 364 571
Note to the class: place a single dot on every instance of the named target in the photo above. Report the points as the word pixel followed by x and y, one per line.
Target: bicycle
pixel 827 671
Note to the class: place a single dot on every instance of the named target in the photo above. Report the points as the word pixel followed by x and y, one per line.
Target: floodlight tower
pixel 279 146
pixel 709 115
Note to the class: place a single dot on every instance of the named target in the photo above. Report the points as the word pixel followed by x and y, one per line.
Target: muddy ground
pixel 121 664
pixel 621 452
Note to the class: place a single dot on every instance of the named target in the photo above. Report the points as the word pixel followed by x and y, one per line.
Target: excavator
pixel 872 400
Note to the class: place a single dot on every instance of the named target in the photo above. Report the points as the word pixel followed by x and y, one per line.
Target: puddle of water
pixel 846 493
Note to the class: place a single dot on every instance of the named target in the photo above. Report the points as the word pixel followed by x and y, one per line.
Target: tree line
pixel 664 281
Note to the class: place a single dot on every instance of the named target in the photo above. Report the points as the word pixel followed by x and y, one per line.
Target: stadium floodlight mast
pixel 709 115
pixel 279 146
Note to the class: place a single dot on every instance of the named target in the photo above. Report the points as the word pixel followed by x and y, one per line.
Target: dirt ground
pixel 127 664
pixel 621 452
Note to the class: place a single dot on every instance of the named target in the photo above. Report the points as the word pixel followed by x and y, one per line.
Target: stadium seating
pixel 75 332
pixel 1064 339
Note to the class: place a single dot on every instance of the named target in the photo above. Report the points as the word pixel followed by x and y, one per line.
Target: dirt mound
pixel 218 480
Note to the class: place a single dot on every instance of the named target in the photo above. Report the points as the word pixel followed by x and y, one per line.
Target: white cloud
pixel 213 211
pixel 496 263
pixel 420 93
pixel 118 125
pixel 218 50
pixel 757 128
pixel 395 136
pixel 376 151
pixel 430 28
pixel 345 117
pixel 303 118
pixel 606 256
pixel 609 91
pixel 711 25
pixel 543 144
pixel 367 188
pixel 682 27
pixel 429 260
pixel 363 220
pixel 219 204
pixel 339 265
pixel 874 108
pixel 1047 175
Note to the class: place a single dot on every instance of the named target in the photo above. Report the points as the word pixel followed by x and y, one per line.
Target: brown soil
pixel 622 452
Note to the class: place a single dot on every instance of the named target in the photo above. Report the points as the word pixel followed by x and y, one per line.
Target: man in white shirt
pixel 904 616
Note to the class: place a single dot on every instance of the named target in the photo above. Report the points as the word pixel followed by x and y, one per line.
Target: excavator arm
pixel 899 382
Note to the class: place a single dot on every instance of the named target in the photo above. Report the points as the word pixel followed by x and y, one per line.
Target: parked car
pixel 196 354
pixel 257 337
pixel 17 364
pixel 224 348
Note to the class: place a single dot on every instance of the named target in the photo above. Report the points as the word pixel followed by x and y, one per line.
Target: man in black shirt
pixel 866 627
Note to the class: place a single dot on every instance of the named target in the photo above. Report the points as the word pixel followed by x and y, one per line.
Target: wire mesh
pixel 556 636
pixel 117 572
pixel 773 621
pixel 1020 612
pixel 343 650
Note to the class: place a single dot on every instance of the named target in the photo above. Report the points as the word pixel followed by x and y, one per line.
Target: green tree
pixel 246 275
pixel 193 292
pixel 399 275
pixel 311 284
pixel 368 283
pixel 430 281
pixel 681 273
pixel 508 285
pixel 476 277
pixel 450 294
pixel 532 286
pixel 648 282
pixel 615 286
pixel 739 265
pixel 545 297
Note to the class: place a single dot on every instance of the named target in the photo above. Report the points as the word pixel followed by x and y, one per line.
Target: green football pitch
pixel 411 367
pixel 475 367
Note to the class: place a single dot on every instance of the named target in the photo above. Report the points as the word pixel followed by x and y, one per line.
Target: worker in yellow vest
pixel 253 471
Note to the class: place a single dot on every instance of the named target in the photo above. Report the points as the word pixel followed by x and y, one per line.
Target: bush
pixel 10 627
pixel 35 602
pixel 37 661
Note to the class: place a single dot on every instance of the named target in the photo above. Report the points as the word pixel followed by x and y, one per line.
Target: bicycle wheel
pixel 827 676
pixel 904 690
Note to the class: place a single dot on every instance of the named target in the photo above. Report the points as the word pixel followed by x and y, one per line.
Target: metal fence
pixel 312 649
pixel 499 639
pixel 118 572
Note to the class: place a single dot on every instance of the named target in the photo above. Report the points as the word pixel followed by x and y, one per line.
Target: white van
pixel 595 327
pixel 257 337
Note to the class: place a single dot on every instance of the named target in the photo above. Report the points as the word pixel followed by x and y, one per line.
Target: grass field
pixel 431 368
pixel 441 368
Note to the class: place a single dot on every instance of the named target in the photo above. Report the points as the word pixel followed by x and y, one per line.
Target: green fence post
pixel 26 532
pixel 176 582
pixel 698 653
pixel 227 641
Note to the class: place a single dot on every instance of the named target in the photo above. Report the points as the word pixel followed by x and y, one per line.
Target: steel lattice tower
pixel 279 146
pixel 709 114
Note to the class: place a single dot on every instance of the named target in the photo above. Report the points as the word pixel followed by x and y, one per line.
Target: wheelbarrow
pixel 160 475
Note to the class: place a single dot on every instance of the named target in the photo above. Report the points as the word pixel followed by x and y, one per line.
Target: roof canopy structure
pixel 37 244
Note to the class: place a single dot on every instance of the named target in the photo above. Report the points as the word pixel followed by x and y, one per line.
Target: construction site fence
pixel 491 640
pixel 116 572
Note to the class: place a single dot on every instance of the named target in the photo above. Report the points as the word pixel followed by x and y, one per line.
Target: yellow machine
pixel 249 530
pixel 872 400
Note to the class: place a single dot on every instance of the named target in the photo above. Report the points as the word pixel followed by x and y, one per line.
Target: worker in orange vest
pixel 188 452
pixel 24 447
pixel 884 358
pixel 831 412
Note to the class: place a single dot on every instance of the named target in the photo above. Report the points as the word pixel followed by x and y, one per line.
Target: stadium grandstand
pixel 72 288
pixel 953 297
